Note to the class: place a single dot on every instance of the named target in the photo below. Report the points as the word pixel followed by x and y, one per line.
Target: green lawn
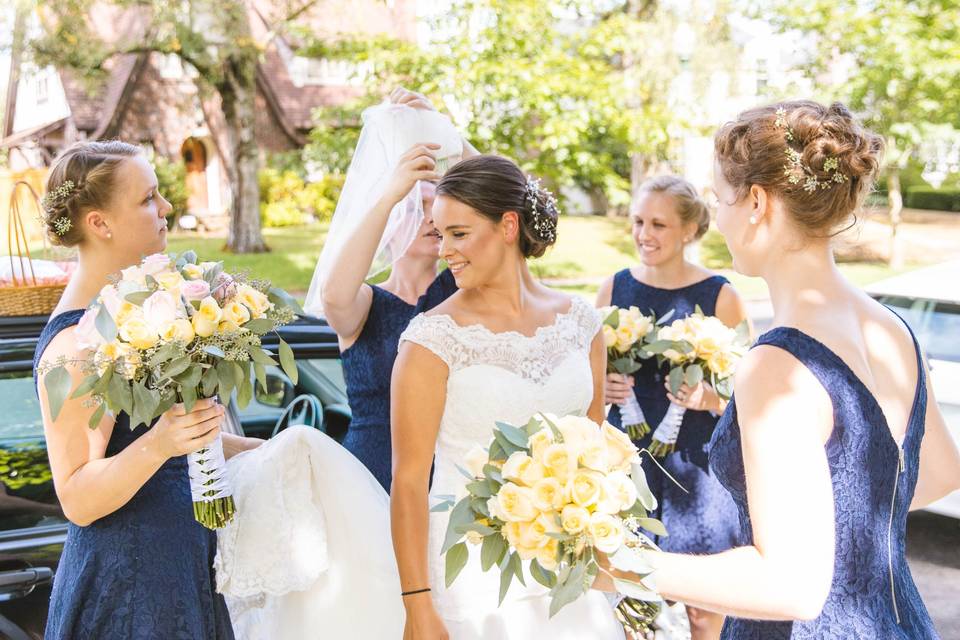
pixel 587 250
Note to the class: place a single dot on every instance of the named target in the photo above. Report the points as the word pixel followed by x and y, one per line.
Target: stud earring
pixel 110 235
pixel 753 219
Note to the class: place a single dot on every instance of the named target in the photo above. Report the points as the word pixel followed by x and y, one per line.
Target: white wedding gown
pixel 309 554
pixel 506 377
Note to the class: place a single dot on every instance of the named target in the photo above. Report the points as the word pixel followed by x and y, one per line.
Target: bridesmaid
pixel 135 564
pixel 833 435
pixel 369 318
pixel 667 216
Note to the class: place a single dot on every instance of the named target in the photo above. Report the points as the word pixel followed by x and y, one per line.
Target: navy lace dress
pixel 703 519
pixel 143 571
pixel 872 595
pixel 367 368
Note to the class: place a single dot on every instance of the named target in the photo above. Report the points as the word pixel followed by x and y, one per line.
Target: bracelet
pixel 412 593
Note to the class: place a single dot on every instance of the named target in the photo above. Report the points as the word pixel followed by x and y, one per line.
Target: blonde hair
pixel 690 206
pixel 83 177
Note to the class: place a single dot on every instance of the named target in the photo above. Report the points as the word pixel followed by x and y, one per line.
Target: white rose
pixel 475 460
pixel 606 532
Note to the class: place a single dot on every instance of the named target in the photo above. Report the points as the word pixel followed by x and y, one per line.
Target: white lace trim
pixel 531 357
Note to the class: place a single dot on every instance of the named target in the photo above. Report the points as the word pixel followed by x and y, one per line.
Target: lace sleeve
pixel 432 332
pixel 588 318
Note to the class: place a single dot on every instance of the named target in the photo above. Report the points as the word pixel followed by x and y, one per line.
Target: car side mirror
pixel 278 394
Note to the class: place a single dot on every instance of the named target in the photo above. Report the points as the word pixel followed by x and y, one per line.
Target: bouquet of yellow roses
pixel 552 494
pixel 698 348
pixel 625 331
pixel 174 330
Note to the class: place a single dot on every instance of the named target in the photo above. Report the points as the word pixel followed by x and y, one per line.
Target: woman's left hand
pixel 411 99
pixel 702 397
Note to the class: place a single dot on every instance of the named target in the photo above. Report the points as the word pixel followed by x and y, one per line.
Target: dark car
pixel 32 525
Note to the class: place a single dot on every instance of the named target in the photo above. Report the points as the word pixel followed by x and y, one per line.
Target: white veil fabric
pixel 389 130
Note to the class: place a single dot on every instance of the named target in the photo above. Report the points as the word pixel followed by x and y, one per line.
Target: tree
pixel 212 36
pixel 903 58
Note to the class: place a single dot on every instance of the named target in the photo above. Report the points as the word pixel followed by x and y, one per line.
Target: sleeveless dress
pixel 872 595
pixel 143 571
pixel 507 377
pixel 705 519
pixel 367 369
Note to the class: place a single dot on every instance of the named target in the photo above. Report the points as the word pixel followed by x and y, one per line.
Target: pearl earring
pixel 753 219
pixel 109 234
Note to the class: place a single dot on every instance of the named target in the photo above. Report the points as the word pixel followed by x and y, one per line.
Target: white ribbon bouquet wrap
pixel 389 131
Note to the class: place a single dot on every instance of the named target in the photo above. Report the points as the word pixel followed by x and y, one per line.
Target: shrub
pixel 937 199
pixel 287 200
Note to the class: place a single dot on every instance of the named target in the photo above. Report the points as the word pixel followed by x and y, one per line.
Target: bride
pixel 501 349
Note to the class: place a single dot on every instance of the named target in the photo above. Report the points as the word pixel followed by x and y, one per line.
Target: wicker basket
pixel 25 297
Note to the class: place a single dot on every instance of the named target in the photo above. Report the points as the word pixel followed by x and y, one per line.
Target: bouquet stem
pixel 213 505
pixel 665 437
pixel 637 616
pixel 632 418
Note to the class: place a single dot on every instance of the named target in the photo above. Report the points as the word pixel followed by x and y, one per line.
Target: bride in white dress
pixel 503 348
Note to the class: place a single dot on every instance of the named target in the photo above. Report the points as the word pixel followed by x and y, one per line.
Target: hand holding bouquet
pixel 171 330
pixel 553 493
pixel 699 348
pixel 625 332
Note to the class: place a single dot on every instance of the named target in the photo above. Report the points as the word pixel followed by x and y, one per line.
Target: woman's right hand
pixel 178 433
pixel 418 163
pixel 423 621
pixel 618 388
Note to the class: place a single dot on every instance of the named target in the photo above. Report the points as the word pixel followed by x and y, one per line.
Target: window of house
pixel 43 88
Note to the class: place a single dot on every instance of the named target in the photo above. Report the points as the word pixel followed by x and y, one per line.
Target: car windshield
pixel 936 324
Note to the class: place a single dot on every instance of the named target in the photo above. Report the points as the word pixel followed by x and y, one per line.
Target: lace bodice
pixel 497 377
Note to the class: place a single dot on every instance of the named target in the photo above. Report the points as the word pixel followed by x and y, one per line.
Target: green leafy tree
pixel 901 61
pixel 212 36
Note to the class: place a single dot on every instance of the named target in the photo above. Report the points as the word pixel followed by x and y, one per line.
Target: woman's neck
pixel 94 268
pixel 672 274
pixel 509 292
pixel 410 278
pixel 803 283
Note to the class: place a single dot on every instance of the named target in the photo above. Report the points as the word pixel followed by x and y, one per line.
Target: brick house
pixel 153 99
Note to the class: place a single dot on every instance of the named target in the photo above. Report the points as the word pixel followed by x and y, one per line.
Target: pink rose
pixel 110 297
pixel 161 309
pixel 195 289
pixel 224 288
pixel 154 264
pixel 86 331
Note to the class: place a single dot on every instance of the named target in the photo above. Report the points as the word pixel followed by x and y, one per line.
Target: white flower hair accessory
pixel 799 173
pixel 545 220
pixel 62 224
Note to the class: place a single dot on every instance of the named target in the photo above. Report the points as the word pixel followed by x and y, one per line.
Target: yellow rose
pixel 236 313
pixel 127 311
pixel 621 453
pixel 227 327
pixel 511 468
pixel 593 455
pixel 253 299
pixel 606 532
pixel 558 461
pixel 203 327
pixel 620 491
pixel 475 460
pixel 547 554
pixel 625 338
pixel 209 310
pixel 722 364
pixel 642 325
pixel 548 494
pixel 539 441
pixel 192 271
pixel 586 488
pixel 180 329
pixel 138 333
pixel 577 430
pixel 169 280
pixel 609 336
pixel 574 519
pixel 106 354
pixel 515 503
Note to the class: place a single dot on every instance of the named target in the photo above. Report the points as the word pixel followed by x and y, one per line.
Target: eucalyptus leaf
pixel 209 382
pixel 166 402
pixel 106 327
pixel 480 489
pixel 493 473
pixel 163 354
pixel 257 354
pixel 541 575
pixel 638 590
pixel 261 373
pixel 97 416
pixel 57 383
pixel 693 375
pixel 215 351
pixel 259 326
pixel 497 452
pixel 462 514
pixel 145 404
pixel 517 437
pixel 569 590
pixel 244 394
pixel 120 394
pixel 675 379
pixel 506 577
pixel 492 550
pixel 189 396
pixel 517 567
pixel 104 383
pixel 176 367
pixel 281 298
pixel 189 256
pixel 644 495
pixel 191 377
pixel 137 297
pixel 456 560
pixel 85 387
pixel 288 362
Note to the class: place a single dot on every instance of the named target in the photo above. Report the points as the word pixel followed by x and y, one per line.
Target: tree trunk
pixel 238 93
pixel 895 197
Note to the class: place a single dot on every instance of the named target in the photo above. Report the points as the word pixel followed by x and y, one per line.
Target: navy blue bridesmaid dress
pixel 872 594
pixel 367 369
pixel 144 571
pixel 702 519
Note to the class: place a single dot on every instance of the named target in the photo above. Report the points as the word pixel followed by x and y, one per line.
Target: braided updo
pixel 492 186
pixel 819 160
pixel 83 177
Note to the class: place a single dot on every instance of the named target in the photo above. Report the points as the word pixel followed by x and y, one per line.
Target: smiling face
pixel 475 248
pixel 136 215
pixel 658 231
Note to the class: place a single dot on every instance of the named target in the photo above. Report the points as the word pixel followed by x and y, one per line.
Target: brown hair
pixel 690 206
pixel 90 168
pixel 492 186
pixel 819 160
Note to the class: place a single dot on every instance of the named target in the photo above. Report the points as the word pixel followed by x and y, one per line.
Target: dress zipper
pixel 893 502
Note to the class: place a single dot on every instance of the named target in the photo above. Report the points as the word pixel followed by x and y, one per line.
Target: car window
pixel 27 496
pixel 936 324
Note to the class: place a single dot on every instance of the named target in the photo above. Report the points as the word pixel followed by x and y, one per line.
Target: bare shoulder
pixel 730 307
pixel 605 292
